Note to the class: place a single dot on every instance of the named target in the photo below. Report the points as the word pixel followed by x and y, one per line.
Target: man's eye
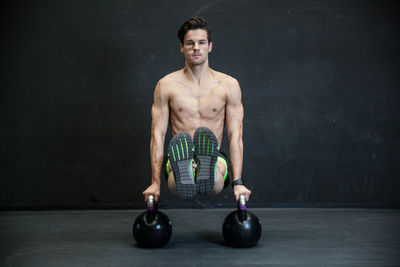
pixel 189 43
pixel 202 42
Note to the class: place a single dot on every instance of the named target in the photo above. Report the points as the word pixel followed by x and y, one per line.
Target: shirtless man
pixel 197 101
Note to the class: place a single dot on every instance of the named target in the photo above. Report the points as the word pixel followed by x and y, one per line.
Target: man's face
pixel 195 47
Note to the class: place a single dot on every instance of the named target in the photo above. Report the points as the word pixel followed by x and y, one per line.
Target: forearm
pixel 156 157
pixel 236 154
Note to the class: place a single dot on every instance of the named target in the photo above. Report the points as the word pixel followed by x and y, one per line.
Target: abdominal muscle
pixel 187 117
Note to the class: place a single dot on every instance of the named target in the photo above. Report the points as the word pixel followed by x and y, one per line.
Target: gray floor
pixel 291 237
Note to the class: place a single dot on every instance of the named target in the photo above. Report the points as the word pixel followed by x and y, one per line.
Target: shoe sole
pixel 180 154
pixel 206 149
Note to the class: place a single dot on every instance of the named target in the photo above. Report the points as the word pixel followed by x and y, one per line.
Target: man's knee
pixel 221 174
pixel 221 166
pixel 220 179
pixel 171 183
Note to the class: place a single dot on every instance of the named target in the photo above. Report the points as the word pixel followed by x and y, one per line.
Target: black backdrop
pixel 320 82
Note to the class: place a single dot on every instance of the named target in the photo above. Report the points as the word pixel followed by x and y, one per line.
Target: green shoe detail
pixel 181 164
pixel 183 153
pixel 173 153
pixel 207 160
pixel 187 150
pixel 204 142
pixel 177 150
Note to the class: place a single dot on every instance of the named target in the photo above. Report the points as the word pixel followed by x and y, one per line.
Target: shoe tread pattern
pixel 180 154
pixel 206 149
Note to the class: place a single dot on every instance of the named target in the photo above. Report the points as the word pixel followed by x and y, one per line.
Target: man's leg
pixel 172 184
pixel 210 180
pixel 220 182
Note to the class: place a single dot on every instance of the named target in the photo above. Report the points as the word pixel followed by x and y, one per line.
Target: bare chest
pixel 202 102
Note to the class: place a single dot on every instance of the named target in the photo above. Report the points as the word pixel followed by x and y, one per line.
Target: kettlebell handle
pixel 150 202
pixel 242 202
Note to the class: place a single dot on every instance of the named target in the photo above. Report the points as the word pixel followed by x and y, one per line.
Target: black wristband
pixel 237 182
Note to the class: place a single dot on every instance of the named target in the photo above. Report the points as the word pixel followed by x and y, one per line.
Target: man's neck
pixel 197 74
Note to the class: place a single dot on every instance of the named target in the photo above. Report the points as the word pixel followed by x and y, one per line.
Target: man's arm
pixel 234 124
pixel 159 125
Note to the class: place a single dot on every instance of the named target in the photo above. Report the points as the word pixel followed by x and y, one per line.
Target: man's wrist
pixel 157 182
pixel 237 182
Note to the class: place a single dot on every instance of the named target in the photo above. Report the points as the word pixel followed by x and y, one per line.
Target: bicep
pixel 159 110
pixel 234 109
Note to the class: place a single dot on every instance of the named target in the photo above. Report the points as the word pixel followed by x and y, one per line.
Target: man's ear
pixel 210 47
pixel 181 47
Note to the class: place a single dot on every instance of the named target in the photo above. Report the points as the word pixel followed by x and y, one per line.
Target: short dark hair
pixel 193 24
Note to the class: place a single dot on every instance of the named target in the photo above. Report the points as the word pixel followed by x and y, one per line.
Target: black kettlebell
pixel 152 228
pixel 241 228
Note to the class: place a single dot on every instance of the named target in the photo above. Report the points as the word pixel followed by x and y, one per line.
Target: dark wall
pixel 320 82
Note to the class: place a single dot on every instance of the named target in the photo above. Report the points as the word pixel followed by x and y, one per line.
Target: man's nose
pixel 196 46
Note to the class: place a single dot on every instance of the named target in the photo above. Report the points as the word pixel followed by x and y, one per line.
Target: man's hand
pixel 241 189
pixel 153 189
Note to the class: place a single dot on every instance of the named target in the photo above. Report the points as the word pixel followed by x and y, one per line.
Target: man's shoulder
pixel 166 83
pixel 171 78
pixel 225 78
pixel 229 84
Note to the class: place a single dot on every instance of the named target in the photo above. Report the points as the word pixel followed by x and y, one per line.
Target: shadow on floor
pixel 211 237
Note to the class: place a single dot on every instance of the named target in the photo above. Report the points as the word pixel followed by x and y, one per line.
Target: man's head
pixel 195 41
pixel 194 24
